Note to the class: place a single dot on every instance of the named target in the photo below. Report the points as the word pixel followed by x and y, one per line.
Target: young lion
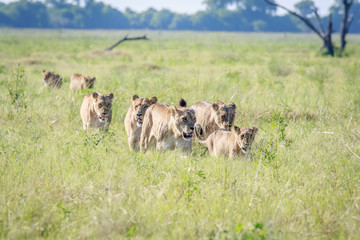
pixel 134 119
pixel 96 110
pixel 51 79
pixel 232 143
pixel 214 116
pixel 168 127
pixel 79 81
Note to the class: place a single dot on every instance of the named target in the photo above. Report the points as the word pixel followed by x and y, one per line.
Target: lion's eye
pixel 184 120
pixel 242 136
pixel 223 117
pixel 145 107
pixel 100 105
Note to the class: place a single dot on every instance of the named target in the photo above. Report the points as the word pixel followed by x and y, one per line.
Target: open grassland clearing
pixel 301 181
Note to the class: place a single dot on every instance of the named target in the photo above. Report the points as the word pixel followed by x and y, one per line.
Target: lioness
pixel 51 79
pixel 214 116
pixel 79 81
pixel 134 119
pixel 96 111
pixel 232 143
pixel 168 127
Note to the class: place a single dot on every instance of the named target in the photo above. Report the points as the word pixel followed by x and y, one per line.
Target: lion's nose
pixel 139 114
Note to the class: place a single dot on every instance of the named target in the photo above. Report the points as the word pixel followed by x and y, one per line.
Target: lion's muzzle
pixel 139 121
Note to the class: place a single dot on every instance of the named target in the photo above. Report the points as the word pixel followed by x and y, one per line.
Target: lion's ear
pixel 215 106
pixel 255 129
pixel 232 105
pixel 182 103
pixel 153 100
pixel 235 129
pixel 94 78
pixel 134 97
pixel 111 96
pixel 95 94
pixel 44 71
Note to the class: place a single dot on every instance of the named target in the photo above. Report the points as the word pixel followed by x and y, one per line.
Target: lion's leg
pixel 130 142
pixel 144 139
pixel 133 143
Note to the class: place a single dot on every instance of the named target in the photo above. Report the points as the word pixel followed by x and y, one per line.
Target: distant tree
pixel 206 20
pixel 216 4
pixel 100 15
pixel 325 36
pixel 161 19
pixel 258 6
pixel 26 14
pixel 181 22
pixel 305 8
pixel 145 17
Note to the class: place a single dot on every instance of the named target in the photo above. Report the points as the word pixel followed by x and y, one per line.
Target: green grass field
pixel 302 180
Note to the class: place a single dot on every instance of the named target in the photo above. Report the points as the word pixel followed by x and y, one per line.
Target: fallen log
pixel 126 38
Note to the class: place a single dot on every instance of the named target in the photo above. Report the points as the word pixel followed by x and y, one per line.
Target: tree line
pixel 220 15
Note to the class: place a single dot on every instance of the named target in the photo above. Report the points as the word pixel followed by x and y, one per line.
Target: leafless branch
pixel 305 20
pixel 126 38
pixel 319 21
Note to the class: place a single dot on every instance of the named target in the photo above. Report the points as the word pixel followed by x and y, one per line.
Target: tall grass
pixel 301 180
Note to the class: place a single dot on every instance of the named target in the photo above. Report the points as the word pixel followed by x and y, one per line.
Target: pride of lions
pixel 152 124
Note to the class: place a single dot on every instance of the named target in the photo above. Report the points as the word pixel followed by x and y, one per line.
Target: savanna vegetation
pixel 301 180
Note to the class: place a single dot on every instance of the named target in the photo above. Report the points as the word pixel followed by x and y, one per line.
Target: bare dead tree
pixel 126 38
pixel 325 37
pixel 346 22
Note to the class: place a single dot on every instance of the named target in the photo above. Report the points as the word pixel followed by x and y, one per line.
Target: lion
pixel 51 79
pixel 234 143
pixel 79 81
pixel 96 110
pixel 168 127
pixel 134 119
pixel 214 116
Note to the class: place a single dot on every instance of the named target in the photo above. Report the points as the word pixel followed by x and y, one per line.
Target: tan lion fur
pixel 234 143
pixel 134 119
pixel 79 81
pixel 168 127
pixel 214 116
pixel 51 79
pixel 96 110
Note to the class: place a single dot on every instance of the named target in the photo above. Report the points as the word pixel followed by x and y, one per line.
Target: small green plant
pixel 16 85
pixel 192 186
pixel 258 232
pixel 268 150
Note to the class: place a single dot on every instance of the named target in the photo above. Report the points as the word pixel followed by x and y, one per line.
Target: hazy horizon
pixel 192 6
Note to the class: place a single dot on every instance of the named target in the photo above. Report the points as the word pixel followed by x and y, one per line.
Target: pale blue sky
pixel 191 6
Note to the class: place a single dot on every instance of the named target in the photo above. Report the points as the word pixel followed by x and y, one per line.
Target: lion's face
pixel 184 121
pixel 48 77
pixel 245 137
pixel 139 106
pixel 102 105
pixel 88 82
pixel 51 79
pixel 224 115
